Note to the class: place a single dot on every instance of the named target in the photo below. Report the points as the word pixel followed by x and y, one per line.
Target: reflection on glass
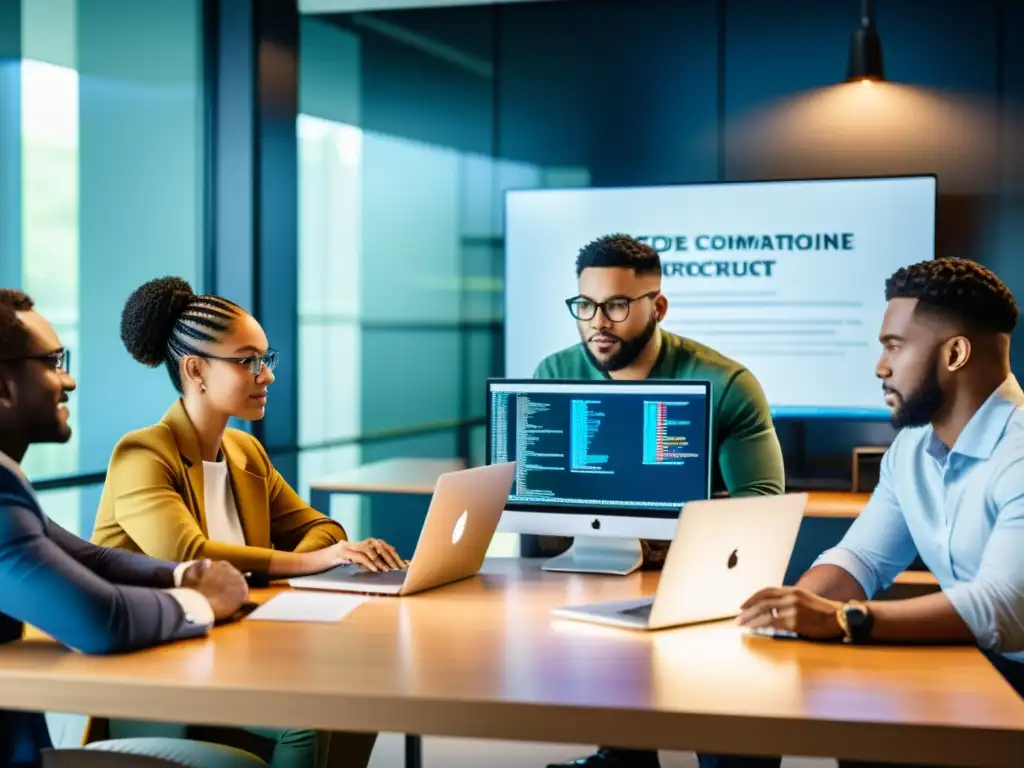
pixel 49 130
pixel 401 221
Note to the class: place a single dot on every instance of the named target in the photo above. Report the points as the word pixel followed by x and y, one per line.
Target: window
pixel 400 255
pixel 111 140
pixel 49 183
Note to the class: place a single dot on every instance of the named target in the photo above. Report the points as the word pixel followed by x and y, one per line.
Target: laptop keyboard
pixel 640 611
pixel 359 570
pixel 356 574
pixel 360 574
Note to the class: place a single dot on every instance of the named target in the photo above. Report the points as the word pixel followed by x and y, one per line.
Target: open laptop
pixel 724 551
pixel 463 515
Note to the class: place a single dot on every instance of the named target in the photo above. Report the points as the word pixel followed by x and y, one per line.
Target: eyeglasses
pixel 254 363
pixel 616 309
pixel 60 359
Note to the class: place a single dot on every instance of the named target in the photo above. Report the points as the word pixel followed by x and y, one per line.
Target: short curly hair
pixel 15 338
pixel 619 250
pixel 957 288
pixel 164 319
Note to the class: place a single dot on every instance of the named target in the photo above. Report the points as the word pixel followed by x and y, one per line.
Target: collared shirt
pixel 198 613
pixel 962 510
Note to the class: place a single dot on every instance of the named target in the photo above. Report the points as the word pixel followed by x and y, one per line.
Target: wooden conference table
pixel 484 658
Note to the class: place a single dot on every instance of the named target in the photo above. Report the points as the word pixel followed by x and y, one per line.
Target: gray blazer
pixel 93 599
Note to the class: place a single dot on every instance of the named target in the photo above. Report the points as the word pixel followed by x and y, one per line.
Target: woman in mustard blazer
pixel 188 487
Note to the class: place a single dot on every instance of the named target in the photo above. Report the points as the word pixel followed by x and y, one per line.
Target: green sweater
pixel 749 457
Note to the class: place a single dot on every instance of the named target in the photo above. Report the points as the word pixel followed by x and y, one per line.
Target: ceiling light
pixel 865 48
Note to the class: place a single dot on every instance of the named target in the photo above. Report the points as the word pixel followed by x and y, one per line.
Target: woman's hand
pixel 373 554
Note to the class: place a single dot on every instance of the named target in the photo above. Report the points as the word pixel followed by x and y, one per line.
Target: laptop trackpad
pixel 357 574
pixel 638 611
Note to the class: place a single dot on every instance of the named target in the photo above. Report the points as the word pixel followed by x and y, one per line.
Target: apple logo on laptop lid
pixel 460 527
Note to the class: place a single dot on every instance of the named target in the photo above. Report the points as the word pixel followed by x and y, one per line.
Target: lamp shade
pixel 865 55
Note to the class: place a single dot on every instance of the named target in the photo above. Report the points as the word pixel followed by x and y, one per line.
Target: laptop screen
pixel 616 446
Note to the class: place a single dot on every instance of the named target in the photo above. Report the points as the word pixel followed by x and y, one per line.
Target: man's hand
pixel 220 583
pixel 192 575
pixel 794 610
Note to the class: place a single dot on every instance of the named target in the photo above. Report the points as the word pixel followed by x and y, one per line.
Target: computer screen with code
pixel 620 447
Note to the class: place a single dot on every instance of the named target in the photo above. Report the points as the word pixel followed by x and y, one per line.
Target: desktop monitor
pixel 606 462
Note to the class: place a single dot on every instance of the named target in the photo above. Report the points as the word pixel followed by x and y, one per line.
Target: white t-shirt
pixel 222 522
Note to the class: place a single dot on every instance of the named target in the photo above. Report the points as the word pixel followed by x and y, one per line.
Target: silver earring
pixel 202 387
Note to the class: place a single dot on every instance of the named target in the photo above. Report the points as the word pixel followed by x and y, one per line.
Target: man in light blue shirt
pixel 951 487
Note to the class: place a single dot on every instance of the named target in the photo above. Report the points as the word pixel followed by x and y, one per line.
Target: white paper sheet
pixel 297 605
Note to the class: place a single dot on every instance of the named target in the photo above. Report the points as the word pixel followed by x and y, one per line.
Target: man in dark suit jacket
pixel 93 599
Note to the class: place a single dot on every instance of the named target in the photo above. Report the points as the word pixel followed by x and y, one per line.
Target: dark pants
pixel 1011 670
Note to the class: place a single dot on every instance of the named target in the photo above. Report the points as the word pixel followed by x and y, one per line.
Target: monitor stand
pixel 599 554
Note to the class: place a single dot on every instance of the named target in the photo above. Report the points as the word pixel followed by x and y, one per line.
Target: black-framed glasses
pixel 254 363
pixel 616 308
pixel 60 359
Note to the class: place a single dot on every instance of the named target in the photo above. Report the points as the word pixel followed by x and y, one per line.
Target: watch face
pixel 855 615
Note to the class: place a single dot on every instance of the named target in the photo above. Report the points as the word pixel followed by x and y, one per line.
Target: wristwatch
pixel 856 621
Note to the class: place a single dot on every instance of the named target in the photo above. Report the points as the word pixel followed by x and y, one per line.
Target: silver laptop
pixel 463 515
pixel 724 550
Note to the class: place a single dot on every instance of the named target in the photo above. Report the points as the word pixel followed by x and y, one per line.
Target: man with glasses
pixel 93 599
pixel 618 311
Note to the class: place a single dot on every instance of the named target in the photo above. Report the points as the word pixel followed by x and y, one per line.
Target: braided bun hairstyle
pixel 164 319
